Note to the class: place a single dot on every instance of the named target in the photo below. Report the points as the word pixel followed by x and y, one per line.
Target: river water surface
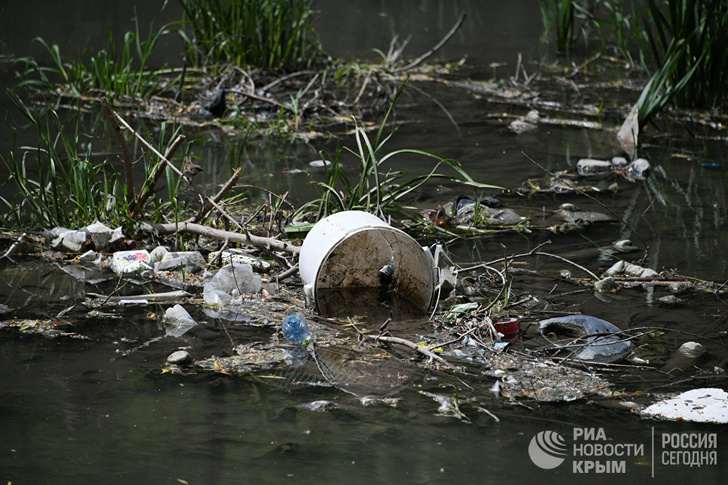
pixel 82 410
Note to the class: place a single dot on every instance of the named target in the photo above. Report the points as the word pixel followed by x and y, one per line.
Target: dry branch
pixel 148 189
pixel 224 190
pixel 204 196
pixel 267 243
pixel 438 46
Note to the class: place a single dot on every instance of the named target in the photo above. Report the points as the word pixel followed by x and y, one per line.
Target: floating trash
pixel 295 329
pixel 704 405
pixel 348 250
pixel 319 164
pixel 507 328
pixel 68 239
pixel 124 262
pixel 177 321
pixel 228 285
pixel 603 341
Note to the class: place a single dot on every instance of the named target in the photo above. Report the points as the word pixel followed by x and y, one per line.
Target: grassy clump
pixel 688 40
pixel 276 34
pixel 109 72
pixel 59 183
pixel 378 191
pixel 681 43
pixel 70 187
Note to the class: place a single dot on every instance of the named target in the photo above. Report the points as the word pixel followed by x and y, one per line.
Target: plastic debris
pixel 629 269
pixel 124 262
pixel 102 236
pixel 628 134
pixel 320 406
pixel 177 321
pixel 295 329
pixel 704 405
pixel 348 249
pixel 68 239
pixel 605 284
pixel 508 329
pixel 603 342
pixel 238 256
pixel 229 283
pixel 319 163
pixel 637 170
pixel 587 167
pixel 181 357
pixel 189 261
pixel 685 359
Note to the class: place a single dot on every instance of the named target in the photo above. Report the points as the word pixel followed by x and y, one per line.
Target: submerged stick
pixel 423 350
pixel 407 343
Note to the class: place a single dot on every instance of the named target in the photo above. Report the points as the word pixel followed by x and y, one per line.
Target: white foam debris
pixel 704 405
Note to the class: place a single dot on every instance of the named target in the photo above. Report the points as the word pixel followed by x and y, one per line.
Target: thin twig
pixel 407 343
pixel 287 273
pixel 489 263
pixel 222 211
pixel 147 190
pixel 586 194
pixel 541 253
pixel 124 150
pixel 224 190
pixel 438 46
pixel 439 105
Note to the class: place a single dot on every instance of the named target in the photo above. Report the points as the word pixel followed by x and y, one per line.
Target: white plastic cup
pixel 348 249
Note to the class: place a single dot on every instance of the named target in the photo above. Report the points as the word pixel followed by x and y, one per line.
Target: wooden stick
pixel 224 190
pixel 147 190
pixel 419 348
pixel 222 211
pixel 267 243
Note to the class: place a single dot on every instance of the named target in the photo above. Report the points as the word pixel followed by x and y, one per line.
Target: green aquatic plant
pixel 110 72
pixel 61 181
pixel 687 40
pixel 261 33
pixel 70 187
pixel 378 189
pixel 558 17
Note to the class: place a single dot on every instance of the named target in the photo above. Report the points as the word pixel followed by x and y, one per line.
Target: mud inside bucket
pixel 357 250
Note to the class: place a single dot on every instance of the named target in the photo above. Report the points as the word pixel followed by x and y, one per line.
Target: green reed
pixel 378 189
pixel 687 40
pixel 70 188
pixel 262 33
pixel 120 69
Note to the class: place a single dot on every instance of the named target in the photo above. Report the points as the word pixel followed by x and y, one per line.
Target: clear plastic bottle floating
pixel 295 329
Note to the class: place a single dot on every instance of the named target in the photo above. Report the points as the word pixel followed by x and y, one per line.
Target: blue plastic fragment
pixel 295 329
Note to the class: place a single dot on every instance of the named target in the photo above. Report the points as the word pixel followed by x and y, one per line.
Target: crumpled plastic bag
pixel 228 285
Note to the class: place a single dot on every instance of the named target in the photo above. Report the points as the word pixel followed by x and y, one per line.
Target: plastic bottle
pixel 295 329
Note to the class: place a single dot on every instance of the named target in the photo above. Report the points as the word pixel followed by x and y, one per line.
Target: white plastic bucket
pixel 349 249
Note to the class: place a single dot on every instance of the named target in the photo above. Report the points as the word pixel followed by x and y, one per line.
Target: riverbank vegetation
pixel 680 43
pixel 271 78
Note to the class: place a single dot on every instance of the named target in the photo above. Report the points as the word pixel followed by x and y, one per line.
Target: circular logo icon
pixel 547 450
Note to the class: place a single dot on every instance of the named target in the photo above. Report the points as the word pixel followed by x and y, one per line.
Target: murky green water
pixel 80 410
